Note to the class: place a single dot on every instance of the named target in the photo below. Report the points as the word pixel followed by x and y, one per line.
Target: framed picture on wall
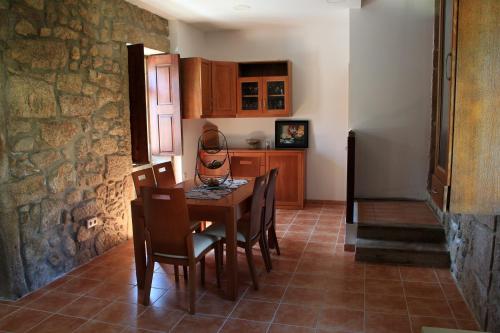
pixel 291 133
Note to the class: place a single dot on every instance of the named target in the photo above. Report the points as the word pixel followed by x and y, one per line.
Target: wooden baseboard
pixel 325 202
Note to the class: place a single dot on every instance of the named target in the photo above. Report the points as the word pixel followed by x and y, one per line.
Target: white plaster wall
pixel 319 52
pixel 390 84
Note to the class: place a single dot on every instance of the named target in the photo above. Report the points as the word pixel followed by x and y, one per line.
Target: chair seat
pixel 201 242
pixel 219 230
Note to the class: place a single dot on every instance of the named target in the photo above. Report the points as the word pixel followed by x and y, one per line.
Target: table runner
pixel 205 192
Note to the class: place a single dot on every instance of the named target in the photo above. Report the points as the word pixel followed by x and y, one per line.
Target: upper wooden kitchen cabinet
pixel 264 89
pixel 196 87
pixel 466 160
pixel 208 88
pixel 221 89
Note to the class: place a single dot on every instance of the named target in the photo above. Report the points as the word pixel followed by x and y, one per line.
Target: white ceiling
pixel 240 14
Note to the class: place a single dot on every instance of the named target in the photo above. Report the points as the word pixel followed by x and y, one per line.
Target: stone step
pixel 402 252
pixel 402 232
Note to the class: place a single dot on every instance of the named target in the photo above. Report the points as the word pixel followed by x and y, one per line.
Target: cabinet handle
pixel 448 67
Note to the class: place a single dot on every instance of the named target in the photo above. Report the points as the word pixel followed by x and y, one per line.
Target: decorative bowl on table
pixel 253 143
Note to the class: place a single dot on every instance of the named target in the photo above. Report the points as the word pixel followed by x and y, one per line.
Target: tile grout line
pixel 291 277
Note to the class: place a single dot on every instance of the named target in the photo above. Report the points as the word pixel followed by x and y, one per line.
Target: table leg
pixel 231 254
pixel 139 245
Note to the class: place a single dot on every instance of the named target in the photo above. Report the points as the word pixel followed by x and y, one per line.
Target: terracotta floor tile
pixel 133 295
pixel 423 290
pixel 348 285
pixel 276 278
pixel 110 291
pixel 385 303
pixel 304 296
pixel 58 324
pixel 384 287
pixel 29 298
pixel 382 272
pixel 468 325
pixel 22 320
pixel 7 309
pixel 124 276
pixel 173 299
pixel 386 323
pixel 444 275
pixel 305 280
pixel 284 265
pixel 418 274
pixel 52 301
pixel 428 307
pixel 85 307
pixel 98 272
pixel 340 320
pixel 254 310
pixel 417 322
pixel 59 282
pixel 158 319
pixel 214 305
pixel 120 313
pixel 99 327
pixel 341 299
pixel 451 291
pixel 198 324
pixel 266 293
pixel 279 328
pixel 239 326
pixel 79 286
pixel 461 310
pixel 296 315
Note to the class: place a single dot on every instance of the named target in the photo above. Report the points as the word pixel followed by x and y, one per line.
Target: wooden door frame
pixel 444 174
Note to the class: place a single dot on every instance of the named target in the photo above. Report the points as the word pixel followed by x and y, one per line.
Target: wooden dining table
pixel 226 210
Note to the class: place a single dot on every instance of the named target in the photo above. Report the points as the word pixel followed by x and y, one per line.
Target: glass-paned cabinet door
pixel 276 100
pixel 249 92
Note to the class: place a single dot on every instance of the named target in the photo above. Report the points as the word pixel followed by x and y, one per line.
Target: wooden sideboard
pixel 290 187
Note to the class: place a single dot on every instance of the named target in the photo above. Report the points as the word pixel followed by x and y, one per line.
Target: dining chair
pixel 170 240
pixel 143 178
pixel 269 223
pixel 249 228
pixel 146 178
pixel 245 166
pixel 164 174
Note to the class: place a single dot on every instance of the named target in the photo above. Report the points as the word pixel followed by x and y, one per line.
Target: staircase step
pixel 402 232
pixel 402 252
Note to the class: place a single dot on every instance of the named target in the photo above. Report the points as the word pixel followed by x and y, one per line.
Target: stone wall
pixel 474 243
pixel 65 132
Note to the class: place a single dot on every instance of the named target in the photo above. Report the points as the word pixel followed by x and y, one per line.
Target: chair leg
pixel 192 288
pixel 251 266
pixel 185 271
pixel 202 271
pixel 218 268
pixel 176 273
pixel 264 250
pixel 273 235
pixel 147 283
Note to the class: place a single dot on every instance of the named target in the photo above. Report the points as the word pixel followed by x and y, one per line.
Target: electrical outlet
pixel 92 222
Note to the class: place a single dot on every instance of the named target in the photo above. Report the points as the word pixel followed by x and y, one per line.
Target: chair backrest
pixel 257 207
pixel 243 166
pixel 270 195
pixel 166 219
pixel 164 174
pixel 143 178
